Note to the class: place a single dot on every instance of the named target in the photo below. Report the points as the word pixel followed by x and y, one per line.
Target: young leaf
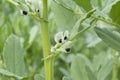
pixel 13 55
pixel 115 13
pixel 103 5
pixel 33 33
pixel 39 77
pixel 96 3
pixel 85 4
pixel 110 38
pixel 7 73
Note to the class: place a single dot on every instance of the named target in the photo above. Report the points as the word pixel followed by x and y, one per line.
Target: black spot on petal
pixel 65 38
pixel 60 41
pixel 37 10
pixel 67 49
pixel 24 12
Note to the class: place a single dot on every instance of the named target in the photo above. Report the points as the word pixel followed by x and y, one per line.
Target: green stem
pixel 106 21
pixel 115 66
pixel 46 43
pixel 84 30
pixel 13 2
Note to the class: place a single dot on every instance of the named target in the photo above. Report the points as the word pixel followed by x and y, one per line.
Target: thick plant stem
pixel 115 66
pixel 46 43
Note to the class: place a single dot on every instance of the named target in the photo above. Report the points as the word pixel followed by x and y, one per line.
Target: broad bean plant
pixel 60 40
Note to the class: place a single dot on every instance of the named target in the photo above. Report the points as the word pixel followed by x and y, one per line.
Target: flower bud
pixel 52 50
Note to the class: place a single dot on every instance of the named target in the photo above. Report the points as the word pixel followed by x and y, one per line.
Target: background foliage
pixel 93 55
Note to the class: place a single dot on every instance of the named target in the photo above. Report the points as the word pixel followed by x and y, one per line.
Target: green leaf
pixel 39 77
pixel 63 17
pixel 109 37
pixel 105 69
pixel 90 74
pixel 7 73
pixel 69 4
pixel 96 3
pixel 85 4
pixel 13 55
pixel 65 78
pixel 78 68
pixel 82 69
pixel 102 69
pixel 115 13
pixel 98 60
pixel 32 35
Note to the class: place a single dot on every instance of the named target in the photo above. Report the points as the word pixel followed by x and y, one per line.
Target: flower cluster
pixel 63 44
pixel 32 5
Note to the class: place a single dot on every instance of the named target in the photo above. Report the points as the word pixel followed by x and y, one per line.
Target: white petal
pixel 52 50
pixel 67 44
pixel 28 1
pixel 59 37
pixel 24 7
pixel 66 33
pixel 64 48
pixel 37 5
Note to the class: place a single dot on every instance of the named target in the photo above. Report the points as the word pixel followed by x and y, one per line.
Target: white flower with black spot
pixel 36 5
pixel 62 42
pixel 24 10
pixel 66 47
pixel 61 37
